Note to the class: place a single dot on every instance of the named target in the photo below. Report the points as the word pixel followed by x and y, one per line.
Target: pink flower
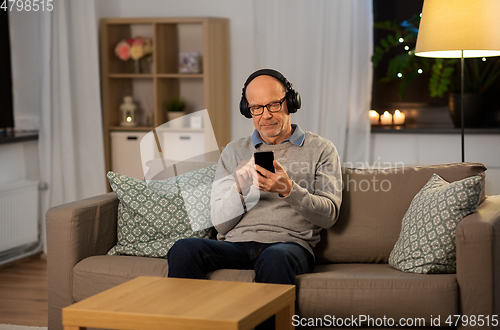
pixel 122 50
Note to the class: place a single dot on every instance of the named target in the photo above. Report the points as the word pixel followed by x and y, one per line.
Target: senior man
pixel 266 221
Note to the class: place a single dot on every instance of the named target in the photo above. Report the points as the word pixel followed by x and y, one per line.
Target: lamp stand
pixel 462 102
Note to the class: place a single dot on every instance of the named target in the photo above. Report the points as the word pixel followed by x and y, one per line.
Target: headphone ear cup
pixel 297 101
pixel 244 110
pixel 289 102
pixel 293 101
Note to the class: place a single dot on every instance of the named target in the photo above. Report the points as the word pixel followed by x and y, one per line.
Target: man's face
pixel 273 127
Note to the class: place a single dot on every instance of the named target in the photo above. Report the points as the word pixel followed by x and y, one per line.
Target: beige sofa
pixel 351 277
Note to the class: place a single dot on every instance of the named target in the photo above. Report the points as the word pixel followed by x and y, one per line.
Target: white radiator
pixel 18 217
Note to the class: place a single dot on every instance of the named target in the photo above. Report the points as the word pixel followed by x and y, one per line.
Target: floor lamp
pixel 459 29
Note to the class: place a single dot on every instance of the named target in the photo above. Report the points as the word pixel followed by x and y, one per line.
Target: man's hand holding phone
pixel 277 181
pixel 249 173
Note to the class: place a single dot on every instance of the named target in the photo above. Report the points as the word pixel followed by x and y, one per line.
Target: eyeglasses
pixel 257 110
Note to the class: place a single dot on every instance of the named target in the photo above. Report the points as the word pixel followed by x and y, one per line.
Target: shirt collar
pixel 296 138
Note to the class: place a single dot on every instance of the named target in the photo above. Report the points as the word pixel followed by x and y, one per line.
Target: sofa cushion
pixel 374 202
pixel 153 215
pixel 377 290
pixel 99 273
pixel 427 240
pixel 340 289
pixel 237 275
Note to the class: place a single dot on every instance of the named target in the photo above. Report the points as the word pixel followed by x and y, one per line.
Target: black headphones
pixel 292 97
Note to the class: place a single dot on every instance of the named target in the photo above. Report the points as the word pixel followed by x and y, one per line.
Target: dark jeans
pixel 277 263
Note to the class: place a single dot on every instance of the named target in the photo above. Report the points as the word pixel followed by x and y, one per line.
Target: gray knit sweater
pixel 265 217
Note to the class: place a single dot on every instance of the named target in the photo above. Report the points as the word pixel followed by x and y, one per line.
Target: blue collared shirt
pixel 296 138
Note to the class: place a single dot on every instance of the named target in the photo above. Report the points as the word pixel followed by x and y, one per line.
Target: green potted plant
pixel 175 109
pixel 480 73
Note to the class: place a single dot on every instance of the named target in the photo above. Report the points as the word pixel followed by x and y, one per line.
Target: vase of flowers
pixel 135 49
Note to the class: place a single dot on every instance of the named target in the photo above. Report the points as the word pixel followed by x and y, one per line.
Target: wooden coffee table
pixel 172 303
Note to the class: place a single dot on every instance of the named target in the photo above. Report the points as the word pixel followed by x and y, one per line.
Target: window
pixel 422 110
pixel 385 94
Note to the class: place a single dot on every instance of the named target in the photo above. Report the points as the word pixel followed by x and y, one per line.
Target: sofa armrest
pixel 478 259
pixel 76 231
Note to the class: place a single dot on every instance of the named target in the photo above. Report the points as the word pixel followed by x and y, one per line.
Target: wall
pixel 239 13
pixel 429 149
pixel 19 161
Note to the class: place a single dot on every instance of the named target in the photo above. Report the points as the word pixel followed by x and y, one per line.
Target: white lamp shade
pixel 449 26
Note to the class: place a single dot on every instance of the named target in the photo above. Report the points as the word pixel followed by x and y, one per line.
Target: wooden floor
pixel 23 293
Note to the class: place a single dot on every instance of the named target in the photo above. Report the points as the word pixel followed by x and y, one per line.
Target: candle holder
pixel 386 118
pixel 374 117
pixel 398 118
pixel 128 112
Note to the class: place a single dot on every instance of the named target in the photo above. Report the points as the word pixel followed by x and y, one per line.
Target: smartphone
pixel 265 159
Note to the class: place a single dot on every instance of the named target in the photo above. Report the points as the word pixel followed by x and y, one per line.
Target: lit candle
pixel 374 117
pixel 399 118
pixel 386 118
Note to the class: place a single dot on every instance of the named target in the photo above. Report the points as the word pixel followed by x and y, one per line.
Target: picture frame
pixel 190 62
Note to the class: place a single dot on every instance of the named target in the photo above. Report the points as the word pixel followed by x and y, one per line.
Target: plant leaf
pixel 391 40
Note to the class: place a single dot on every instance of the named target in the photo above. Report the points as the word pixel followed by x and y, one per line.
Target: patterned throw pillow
pixel 426 243
pixel 153 216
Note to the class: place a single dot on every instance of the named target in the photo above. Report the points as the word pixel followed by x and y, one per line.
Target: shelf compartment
pixel 142 92
pixel 166 48
pixel 174 39
pixel 190 90
pixel 116 33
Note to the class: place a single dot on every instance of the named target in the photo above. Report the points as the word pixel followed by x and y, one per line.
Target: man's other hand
pixel 246 176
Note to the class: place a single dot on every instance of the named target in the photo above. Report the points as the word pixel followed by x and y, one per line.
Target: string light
pixel 484 59
pixel 407 47
pixel 401 40
pixel 400 75
pixel 420 71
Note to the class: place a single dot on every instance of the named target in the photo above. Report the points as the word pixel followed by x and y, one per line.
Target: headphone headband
pixel 268 72
pixel 292 97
